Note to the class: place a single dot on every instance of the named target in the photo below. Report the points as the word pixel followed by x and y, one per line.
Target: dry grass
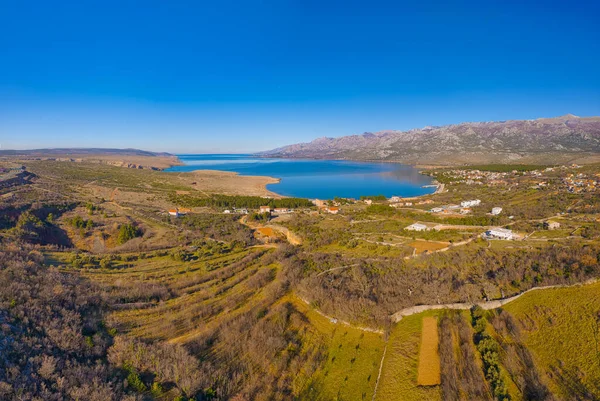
pixel 267 232
pixel 429 246
pixel 428 373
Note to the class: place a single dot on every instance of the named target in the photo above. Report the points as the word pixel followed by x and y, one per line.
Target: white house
pixel 395 199
pixel 496 211
pixel 417 227
pixel 470 203
pixel 500 233
pixel 265 209
pixel 436 210
pixel 282 210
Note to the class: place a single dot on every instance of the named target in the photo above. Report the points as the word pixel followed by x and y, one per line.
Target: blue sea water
pixel 321 179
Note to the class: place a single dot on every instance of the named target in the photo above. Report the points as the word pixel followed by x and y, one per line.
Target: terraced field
pixel 183 299
pixel 188 303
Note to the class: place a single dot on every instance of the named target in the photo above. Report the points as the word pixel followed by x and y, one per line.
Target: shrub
pixel 127 232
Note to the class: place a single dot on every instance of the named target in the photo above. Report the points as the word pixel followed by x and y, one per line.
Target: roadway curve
pixel 396 317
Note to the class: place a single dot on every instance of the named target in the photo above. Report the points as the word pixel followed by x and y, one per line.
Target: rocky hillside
pixel 547 140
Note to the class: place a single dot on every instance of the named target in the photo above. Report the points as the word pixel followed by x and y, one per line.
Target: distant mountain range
pixel 545 141
pixel 81 152
pixel 131 158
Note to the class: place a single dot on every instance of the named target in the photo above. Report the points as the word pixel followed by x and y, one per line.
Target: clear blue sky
pixel 236 76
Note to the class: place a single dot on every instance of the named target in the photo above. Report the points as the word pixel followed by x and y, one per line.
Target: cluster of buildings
pixel 396 201
pixel 581 183
pixel 277 211
pixel 329 207
pixel 463 208
pixel 544 178
pixel 236 211
pixel 477 177
pixel 492 233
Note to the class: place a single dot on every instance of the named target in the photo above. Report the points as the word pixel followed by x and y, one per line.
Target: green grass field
pixel 560 329
pixel 350 371
pixel 399 376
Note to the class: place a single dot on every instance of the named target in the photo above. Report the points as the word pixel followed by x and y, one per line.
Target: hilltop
pixel 542 141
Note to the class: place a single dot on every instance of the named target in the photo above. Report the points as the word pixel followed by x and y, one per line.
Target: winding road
pixel 396 317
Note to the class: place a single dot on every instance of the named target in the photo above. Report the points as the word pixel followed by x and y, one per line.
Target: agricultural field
pixel 399 378
pixel 428 246
pixel 428 372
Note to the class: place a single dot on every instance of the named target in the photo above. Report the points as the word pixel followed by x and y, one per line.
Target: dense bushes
pixel 227 201
pixel 383 286
pixel 127 232
pixel 488 348
pixel 161 365
pixel 52 340
pixel 79 222
pixel 461 373
pixel 220 227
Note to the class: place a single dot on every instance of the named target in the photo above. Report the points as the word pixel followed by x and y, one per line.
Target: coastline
pixel 229 182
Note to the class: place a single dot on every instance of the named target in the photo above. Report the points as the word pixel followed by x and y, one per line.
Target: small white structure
pixel 227 211
pixel 500 233
pixel 395 199
pixel 368 201
pixel 470 203
pixel 496 211
pixel 282 210
pixel 417 227
pixel 408 204
pixel 436 210
pixel 551 225
pixel 174 212
pixel 265 209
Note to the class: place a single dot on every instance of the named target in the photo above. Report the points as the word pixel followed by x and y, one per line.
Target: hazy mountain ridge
pixel 130 158
pixel 82 151
pixel 546 140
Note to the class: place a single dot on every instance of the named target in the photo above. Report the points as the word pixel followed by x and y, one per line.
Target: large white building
pixel 470 203
pixel 500 233
pixel 417 227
